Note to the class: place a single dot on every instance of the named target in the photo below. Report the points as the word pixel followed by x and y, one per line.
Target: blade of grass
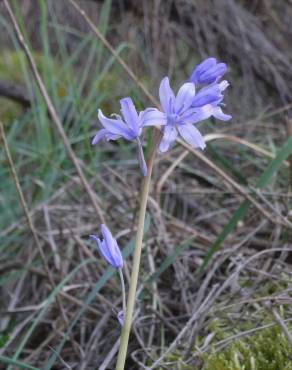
pixel 20 365
pixel 103 24
pixel 264 179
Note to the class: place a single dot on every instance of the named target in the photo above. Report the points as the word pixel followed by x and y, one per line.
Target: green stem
pixel 123 290
pixel 136 260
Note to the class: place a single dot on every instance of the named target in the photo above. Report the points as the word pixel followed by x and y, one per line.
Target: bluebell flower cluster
pixel 196 100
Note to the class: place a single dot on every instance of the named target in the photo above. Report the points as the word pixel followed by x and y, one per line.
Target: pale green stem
pixel 123 290
pixel 136 260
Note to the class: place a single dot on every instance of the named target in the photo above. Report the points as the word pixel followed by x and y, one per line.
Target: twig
pixel 52 111
pixel 110 356
pixel 52 243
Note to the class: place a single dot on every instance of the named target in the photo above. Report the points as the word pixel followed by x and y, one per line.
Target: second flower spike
pixel 109 248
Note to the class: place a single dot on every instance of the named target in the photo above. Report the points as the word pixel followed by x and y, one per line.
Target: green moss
pixel 266 350
pixel 13 67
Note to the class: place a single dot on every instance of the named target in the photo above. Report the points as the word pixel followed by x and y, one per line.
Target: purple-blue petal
pixel 184 97
pixel 116 126
pixel 109 248
pixel 169 136
pixel 192 136
pixel 153 117
pixel 101 133
pixel 112 246
pixel 166 96
pixel 130 115
pixel 194 115
pixel 212 74
pixel 208 71
pixel 218 113
pixel 207 95
pixel 107 254
pixel 201 68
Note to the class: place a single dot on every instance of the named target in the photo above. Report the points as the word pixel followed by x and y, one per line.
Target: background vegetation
pixel 215 285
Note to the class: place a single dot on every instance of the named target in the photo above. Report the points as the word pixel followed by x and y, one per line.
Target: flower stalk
pixel 136 258
pixel 123 291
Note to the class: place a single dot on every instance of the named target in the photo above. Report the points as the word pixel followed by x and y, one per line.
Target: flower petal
pixel 218 113
pixel 101 133
pixel 107 254
pixel 115 126
pixel 169 136
pixel 194 115
pixel 103 249
pixel 153 117
pixel 223 85
pixel 202 67
pixel 130 115
pixel 166 96
pixel 111 248
pixel 208 72
pixel 192 136
pixel 207 95
pixel 185 97
pixel 142 161
pixel 214 73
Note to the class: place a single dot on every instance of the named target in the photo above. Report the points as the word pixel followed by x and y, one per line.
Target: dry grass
pixel 247 280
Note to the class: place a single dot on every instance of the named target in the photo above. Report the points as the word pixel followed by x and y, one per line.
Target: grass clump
pixel 268 349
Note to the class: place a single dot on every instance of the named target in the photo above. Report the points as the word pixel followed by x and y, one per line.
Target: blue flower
pixel 129 128
pixel 208 72
pixel 109 248
pixel 178 116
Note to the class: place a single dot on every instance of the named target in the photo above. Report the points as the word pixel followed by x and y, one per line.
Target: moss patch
pixel 266 350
